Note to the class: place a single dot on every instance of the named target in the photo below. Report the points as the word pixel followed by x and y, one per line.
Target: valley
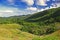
pixel 43 25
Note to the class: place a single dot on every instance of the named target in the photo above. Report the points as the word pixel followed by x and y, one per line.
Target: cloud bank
pixel 41 2
pixel 29 2
pixel 38 2
pixel 32 6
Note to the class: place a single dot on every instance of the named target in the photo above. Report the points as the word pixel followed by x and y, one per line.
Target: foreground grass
pixel 12 32
pixel 53 36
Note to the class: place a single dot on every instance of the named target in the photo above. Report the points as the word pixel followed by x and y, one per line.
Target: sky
pixel 24 7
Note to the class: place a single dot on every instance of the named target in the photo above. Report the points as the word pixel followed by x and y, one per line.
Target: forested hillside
pixel 46 16
pixel 41 24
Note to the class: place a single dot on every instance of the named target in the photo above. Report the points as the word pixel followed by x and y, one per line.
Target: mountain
pixel 45 16
pixel 12 19
pixel 43 25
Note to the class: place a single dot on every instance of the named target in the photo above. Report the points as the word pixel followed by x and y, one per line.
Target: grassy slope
pixel 53 36
pixel 12 32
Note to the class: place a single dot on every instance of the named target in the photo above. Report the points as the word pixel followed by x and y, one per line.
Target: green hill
pixel 45 16
pixel 13 32
pixel 39 26
pixel 42 23
pixel 53 36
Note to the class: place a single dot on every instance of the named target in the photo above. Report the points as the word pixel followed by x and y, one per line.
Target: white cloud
pixel 6 11
pixel 32 8
pixel 39 10
pixel 10 11
pixel 29 2
pixel 41 2
pixel 46 8
pixel 53 5
pixel 58 4
pixel 38 2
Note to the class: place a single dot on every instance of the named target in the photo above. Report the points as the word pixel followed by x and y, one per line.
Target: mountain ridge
pixel 44 14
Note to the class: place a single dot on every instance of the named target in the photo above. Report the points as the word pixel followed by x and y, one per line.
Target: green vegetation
pixel 12 32
pixel 53 36
pixel 42 23
pixel 45 16
pixel 30 27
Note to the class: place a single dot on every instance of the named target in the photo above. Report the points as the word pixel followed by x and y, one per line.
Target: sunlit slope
pixel 44 16
pixel 53 36
pixel 12 32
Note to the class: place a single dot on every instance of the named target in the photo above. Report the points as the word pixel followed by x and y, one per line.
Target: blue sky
pixel 20 7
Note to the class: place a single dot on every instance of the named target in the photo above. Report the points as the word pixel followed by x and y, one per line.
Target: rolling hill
pixel 43 25
pixel 13 32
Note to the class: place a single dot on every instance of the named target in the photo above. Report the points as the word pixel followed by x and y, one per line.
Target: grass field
pixel 12 32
